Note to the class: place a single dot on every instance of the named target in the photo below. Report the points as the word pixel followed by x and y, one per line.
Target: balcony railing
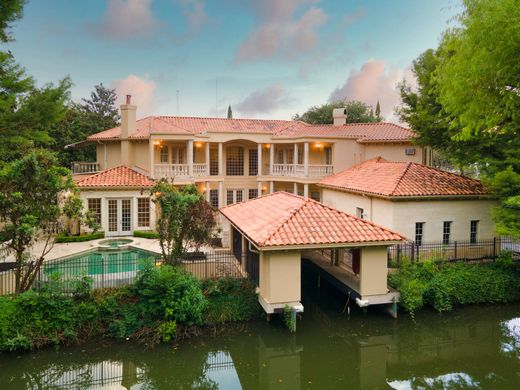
pixel 79 167
pixel 170 171
pixel 200 169
pixel 298 170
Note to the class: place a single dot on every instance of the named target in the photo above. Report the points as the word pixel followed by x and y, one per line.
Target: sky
pixel 267 59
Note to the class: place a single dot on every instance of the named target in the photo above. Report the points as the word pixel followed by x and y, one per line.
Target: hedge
pixel 146 234
pixel 81 238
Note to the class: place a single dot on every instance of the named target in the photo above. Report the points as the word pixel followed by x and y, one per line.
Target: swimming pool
pixel 101 261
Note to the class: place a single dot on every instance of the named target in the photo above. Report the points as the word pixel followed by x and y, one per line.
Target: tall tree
pixel 357 112
pixel 378 111
pixel 30 211
pixel 97 113
pixel 10 11
pixel 27 112
pixel 229 112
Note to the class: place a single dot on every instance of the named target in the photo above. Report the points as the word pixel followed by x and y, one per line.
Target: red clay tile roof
pixel 120 176
pixel 400 179
pixel 362 132
pixel 283 219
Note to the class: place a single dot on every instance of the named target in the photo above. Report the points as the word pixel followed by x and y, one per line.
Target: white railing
pixel 283 170
pixel 298 170
pixel 170 171
pixel 84 167
pixel 320 170
pixel 200 169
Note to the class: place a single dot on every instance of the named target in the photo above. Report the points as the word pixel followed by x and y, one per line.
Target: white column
pixel 207 191
pixel 220 162
pixel 259 188
pixel 220 194
pixel 305 190
pixel 207 158
pixel 271 187
pixel 295 156
pixel 306 158
pixel 152 165
pixel 295 188
pixel 271 158
pixel 259 159
pixel 190 158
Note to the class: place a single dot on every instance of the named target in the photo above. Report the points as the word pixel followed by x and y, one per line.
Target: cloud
pixel 374 81
pixel 264 101
pixel 280 33
pixel 195 15
pixel 125 20
pixel 142 91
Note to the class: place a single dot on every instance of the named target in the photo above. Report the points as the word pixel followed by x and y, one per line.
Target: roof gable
pixel 402 179
pixel 283 219
pixel 120 176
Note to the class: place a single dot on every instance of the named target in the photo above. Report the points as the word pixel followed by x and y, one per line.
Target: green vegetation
pixel 446 285
pixel 61 238
pixel 468 98
pixel 186 219
pixel 357 112
pixel 163 305
pixel 146 234
pixel 288 319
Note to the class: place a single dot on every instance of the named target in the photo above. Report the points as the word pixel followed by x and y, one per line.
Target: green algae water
pixel 471 348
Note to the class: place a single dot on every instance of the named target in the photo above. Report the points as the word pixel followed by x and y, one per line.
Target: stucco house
pixel 231 160
pixel 420 202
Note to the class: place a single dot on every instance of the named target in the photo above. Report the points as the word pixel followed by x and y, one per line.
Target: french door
pixel 119 217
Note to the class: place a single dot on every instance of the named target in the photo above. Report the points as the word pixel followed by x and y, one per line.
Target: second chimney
pixel 339 115
pixel 128 118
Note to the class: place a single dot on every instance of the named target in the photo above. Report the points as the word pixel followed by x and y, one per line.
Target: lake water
pixel 473 347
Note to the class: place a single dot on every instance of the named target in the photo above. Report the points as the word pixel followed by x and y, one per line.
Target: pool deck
pixel 67 249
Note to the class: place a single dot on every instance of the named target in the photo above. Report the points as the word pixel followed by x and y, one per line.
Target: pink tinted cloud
pixel 264 101
pixel 374 81
pixel 142 91
pixel 125 19
pixel 279 32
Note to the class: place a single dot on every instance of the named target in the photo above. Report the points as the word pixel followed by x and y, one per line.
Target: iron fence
pixel 119 269
pixel 461 250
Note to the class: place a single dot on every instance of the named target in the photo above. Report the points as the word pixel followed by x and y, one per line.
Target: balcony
pixel 79 168
pixel 171 171
pixel 298 170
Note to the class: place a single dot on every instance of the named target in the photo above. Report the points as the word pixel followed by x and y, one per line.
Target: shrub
pixel 445 285
pixel 230 300
pixel 84 237
pixel 146 234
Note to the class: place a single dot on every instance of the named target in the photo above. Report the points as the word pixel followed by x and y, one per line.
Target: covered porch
pixel 284 228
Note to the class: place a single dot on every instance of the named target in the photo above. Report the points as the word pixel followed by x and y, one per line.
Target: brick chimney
pixel 128 124
pixel 340 116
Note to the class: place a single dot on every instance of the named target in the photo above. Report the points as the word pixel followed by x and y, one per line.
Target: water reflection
pixel 472 348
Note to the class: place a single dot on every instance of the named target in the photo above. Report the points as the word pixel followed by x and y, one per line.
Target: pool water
pixel 99 261
pixel 115 243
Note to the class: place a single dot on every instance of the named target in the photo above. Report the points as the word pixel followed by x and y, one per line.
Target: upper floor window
pixel 360 213
pixel 315 195
pixel 179 155
pixel 253 162
pixel 473 232
pixel 234 196
pixel 446 232
pixel 94 206
pixel 328 155
pixel 164 154
pixel 235 161
pixel 419 233
pixel 213 162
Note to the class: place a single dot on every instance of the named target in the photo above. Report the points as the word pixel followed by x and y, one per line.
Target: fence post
pixel 398 253
pixel 412 247
pixel 455 250
pixel 494 248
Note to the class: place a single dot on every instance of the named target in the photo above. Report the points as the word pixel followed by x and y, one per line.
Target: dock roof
pixel 282 219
